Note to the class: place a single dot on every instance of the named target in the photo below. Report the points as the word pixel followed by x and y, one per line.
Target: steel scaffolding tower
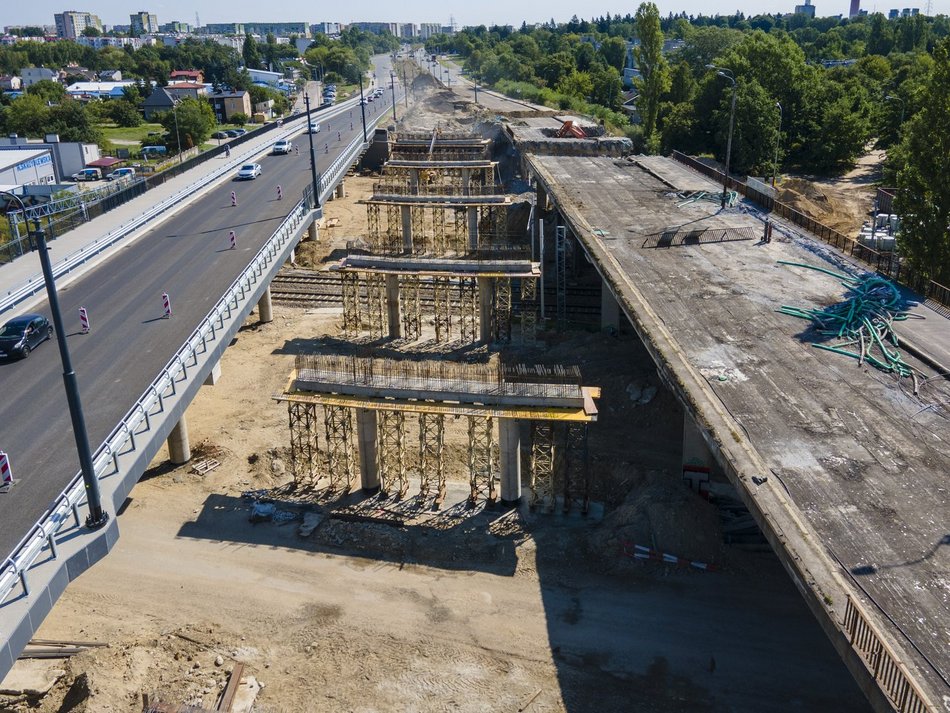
pixel 431 449
pixel 338 421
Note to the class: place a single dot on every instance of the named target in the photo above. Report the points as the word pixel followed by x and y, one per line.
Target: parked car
pixel 232 133
pixel 121 173
pixel 239 132
pixel 249 171
pixel 22 334
pixel 314 127
pixel 283 146
pixel 87 174
pixel 220 135
pixel 362 102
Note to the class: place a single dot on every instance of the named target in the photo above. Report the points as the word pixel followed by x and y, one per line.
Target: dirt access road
pixel 491 611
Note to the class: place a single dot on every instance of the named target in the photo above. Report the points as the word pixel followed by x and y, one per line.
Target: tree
pixel 250 52
pixel 614 52
pixel 756 128
pixel 195 122
pixel 654 75
pixel 923 196
pixel 91 32
pixel 123 112
pixel 27 115
pixel 49 91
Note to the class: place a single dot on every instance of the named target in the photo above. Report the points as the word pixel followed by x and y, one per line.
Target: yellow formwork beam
pixel 586 414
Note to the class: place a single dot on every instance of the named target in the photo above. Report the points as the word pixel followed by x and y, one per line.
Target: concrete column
pixel 466 177
pixel 509 451
pixel 292 258
pixel 179 449
pixel 265 307
pixel 473 229
pixel 540 201
pixel 392 306
pixel 366 442
pixel 341 190
pixel 486 311
pixel 313 232
pixel 609 309
pixel 405 212
pixel 214 376
pixel 698 461
pixel 414 180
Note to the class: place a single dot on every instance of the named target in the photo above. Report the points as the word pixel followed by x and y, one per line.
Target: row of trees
pixel 793 102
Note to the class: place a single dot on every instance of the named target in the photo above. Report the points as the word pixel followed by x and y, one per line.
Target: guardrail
pixel 122 439
pixel 891 675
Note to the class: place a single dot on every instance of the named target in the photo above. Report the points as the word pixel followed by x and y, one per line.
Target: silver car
pixel 249 171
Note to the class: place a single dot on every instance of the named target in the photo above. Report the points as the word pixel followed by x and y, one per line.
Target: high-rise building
pixel 428 29
pixel 278 29
pixel 855 8
pixel 71 23
pixel 143 22
pixel 175 27
pixel 377 28
pixel 408 30
pixel 330 29
pixel 807 9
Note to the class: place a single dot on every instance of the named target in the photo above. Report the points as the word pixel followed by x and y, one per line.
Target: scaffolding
pixel 410 288
pixel 391 452
pixel 443 308
pixel 303 443
pixel 576 467
pixel 542 465
pixel 481 460
pixel 503 310
pixel 338 421
pixel 352 323
pixel 431 455
pixel 529 315
pixel 376 306
pixel 468 308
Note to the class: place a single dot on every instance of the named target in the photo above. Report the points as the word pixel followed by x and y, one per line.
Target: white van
pixel 314 127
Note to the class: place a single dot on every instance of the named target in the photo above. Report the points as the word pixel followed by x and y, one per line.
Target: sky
pixel 504 12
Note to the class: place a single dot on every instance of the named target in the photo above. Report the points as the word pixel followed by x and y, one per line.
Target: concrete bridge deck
pixel 844 469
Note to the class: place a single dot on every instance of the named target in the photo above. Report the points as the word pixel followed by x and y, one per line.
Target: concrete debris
pixel 311 521
pixel 641 394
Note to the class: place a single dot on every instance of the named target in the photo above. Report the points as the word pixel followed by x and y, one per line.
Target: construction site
pixel 450 475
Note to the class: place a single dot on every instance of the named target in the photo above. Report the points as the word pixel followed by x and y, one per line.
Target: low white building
pixel 27 167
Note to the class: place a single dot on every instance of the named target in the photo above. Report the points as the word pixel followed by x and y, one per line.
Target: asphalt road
pixel 186 256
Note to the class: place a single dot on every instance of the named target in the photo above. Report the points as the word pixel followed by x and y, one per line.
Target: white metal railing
pixel 122 438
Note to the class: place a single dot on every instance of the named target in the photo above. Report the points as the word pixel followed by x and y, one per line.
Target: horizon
pixel 113 12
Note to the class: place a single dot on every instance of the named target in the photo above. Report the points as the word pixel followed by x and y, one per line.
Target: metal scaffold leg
pixel 542 465
pixel 443 309
pixel 481 459
pixel 303 442
pixel 372 226
pixel 411 308
pixel 391 450
pixel 468 308
pixel 529 315
pixel 351 303
pixel 438 231
pixel 419 236
pixel 503 309
pixel 393 229
pixel 376 305
pixel 431 448
pixel 338 421
pixel 460 236
pixel 561 272
pixel 576 467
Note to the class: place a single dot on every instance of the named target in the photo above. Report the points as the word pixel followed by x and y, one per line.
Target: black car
pixel 221 135
pixel 232 133
pixel 22 334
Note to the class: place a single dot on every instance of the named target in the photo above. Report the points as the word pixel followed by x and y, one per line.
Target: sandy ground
pixel 486 610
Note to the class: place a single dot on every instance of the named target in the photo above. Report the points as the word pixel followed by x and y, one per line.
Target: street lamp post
pixel 313 158
pixel 362 105
pixel 727 73
pixel 476 90
pixel 392 87
pixel 405 87
pixel 37 238
pixel 177 133
pixel 778 140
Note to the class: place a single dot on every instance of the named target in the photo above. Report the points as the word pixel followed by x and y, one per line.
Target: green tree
pixel 756 128
pixel 195 122
pixel 251 53
pixel 124 113
pixel 73 122
pixel 27 115
pixel 49 91
pixel 923 197
pixel 91 32
pixel 614 52
pixel 654 75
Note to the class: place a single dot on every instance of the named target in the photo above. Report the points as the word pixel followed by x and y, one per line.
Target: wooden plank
pixel 230 691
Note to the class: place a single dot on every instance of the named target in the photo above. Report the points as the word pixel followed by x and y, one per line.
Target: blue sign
pixel 35 162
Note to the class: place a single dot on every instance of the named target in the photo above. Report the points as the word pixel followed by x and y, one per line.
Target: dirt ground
pixel 459 610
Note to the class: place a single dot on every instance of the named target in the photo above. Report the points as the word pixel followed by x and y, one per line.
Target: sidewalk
pixel 17 273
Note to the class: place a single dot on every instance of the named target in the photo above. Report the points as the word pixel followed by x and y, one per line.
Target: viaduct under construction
pixel 439 251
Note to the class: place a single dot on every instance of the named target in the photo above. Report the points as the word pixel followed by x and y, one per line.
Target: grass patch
pixel 120 134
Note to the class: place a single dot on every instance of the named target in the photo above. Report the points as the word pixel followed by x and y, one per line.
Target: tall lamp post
pixel 313 158
pixel 37 238
pixel 362 104
pixel 778 140
pixel 392 87
pixel 727 73
pixel 177 133
pixel 476 90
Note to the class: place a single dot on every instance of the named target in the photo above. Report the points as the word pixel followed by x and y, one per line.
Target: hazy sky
pixel 116 12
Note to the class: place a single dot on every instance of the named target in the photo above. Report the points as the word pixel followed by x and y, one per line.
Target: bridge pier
pixel 486 304
pixel 179 448
pixel 366 431
pixel 405 213
pixel 609 309
pixel 473 228
pixel 340 190
pixel 313 232
pixel 265 307
pixel 509 447
pixel 698 460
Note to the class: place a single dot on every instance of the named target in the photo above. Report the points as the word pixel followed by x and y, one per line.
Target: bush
pixel 239 119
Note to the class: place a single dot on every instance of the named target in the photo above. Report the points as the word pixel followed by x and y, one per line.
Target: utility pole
pixel 392 88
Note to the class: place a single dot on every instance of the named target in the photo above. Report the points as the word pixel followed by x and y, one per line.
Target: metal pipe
pixel 97 516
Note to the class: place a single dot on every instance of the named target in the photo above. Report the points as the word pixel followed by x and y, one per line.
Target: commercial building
pixel 26 167
pixel 143 22
pixel 98 90
pixel 70 23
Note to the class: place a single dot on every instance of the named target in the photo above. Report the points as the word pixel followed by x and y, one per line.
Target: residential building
pixel 104 41
pixel 143 23
pixel 186 75
pixel 10 83
pixel 178 28
pixel 429 29
pixel 807 9
pixel 855 8
pixel 408 30
pixel 110 75
pixel 223 28
pixel 180 90
pixel 158 102
pixel 227 104
pixel 330 29
pixel 377 28
pixel 261 76
pixel 32 75
pixel 278 29
pixel 70 23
